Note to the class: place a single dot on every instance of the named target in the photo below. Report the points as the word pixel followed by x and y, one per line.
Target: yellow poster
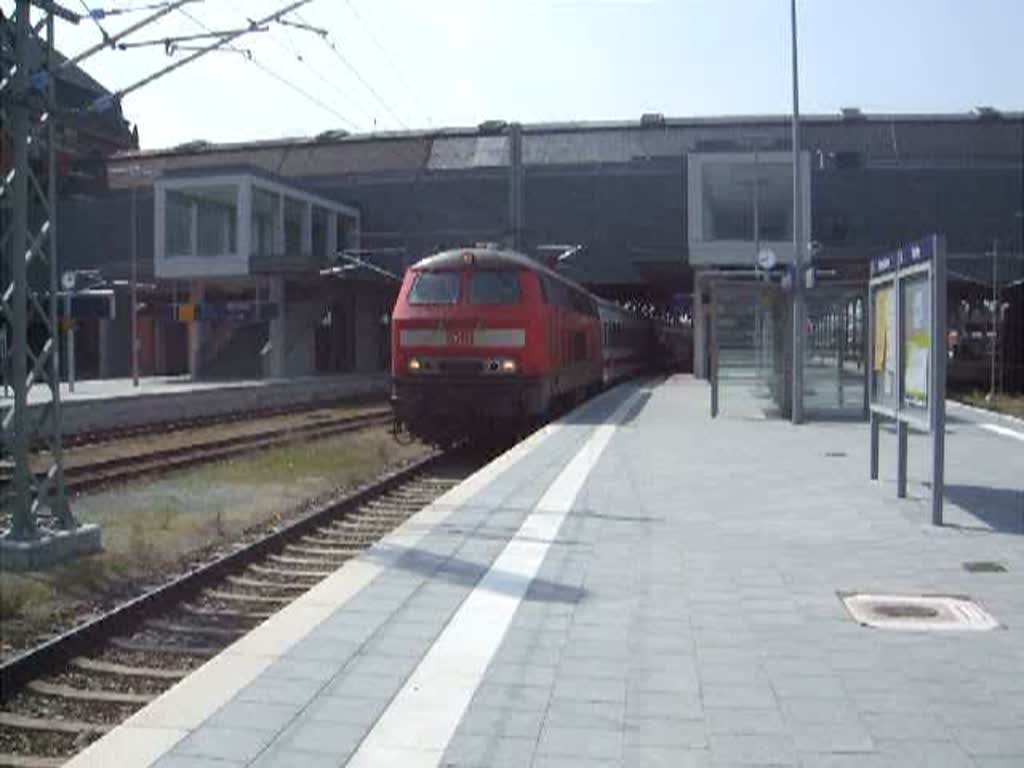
pixel 883 327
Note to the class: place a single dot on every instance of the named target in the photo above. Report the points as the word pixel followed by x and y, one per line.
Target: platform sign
pixel 907 319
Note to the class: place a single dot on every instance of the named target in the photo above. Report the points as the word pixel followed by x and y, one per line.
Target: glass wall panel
pixel 344 232
pixel 264 225
pixel 747 201
pixel 202 221
pixel 320 234
pixel 294 215
pixel 216 211
pixel 178 224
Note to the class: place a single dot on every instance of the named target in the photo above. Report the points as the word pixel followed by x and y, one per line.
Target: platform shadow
pixel 635 409
pixel 471 574
pixel 617 518
pixel 1002 509
pixel 600 410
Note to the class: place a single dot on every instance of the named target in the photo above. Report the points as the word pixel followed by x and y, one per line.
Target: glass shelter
pixel 232 225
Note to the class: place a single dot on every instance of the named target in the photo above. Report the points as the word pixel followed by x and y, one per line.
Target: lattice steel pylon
pixel 28 233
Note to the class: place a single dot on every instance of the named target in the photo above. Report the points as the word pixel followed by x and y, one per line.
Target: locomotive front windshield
pixel 494 287
pixel 435 288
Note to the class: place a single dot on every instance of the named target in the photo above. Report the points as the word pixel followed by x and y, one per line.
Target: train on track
pixel 487 342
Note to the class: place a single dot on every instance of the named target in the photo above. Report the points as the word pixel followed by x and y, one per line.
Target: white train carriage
pixel 626 342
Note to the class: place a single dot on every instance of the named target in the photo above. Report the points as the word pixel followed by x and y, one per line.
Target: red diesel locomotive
pixel 485 341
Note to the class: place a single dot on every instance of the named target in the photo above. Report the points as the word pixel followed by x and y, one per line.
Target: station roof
pixel 491 135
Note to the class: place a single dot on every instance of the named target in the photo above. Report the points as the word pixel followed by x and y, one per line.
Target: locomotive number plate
pixel 460 337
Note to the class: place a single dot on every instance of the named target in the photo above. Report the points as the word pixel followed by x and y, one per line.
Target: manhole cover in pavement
pixel 918 612
pixel 905 611
pixel 984 566
pixel 835 454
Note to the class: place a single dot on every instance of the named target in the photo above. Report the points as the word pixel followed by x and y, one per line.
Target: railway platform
pixel 103 404
pixel 638 585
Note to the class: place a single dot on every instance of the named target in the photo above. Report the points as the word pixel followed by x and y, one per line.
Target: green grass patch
pixel 151 529
pixel 1011 405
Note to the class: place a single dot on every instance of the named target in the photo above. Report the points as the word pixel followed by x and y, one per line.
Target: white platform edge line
pixel 1014 421
pixel 157 728
pixel 998 429
pixel 419 723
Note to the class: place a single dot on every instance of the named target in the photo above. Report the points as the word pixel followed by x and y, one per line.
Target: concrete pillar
pixel 366 328
pixel 278 329
pixel 105 363
pixel 197 293
pixel 159 347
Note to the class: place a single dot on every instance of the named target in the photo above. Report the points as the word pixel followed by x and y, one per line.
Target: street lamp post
pixel 797 411
pixel 995 320
pixel 135 288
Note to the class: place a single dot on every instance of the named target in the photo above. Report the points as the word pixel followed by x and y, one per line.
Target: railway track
pixel 69 691
pixel 89 476
pixel 99 436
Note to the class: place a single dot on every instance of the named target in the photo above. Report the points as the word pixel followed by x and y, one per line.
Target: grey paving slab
pixel 665 732
pixel 484 751
pixel 752 749
pixel 924 754
pixel 347 708
pixel 686 613
pixel 191 761
pixel 221 743
pixel 257 715
pixel 335 740
pixel 589 743
pixel 729 720
pixel 280 757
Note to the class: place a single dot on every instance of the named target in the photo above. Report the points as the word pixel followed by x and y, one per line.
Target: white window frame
pixel 239 263
pixel 707 253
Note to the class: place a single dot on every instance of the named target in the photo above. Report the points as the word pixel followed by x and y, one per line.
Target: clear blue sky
pixel 457 62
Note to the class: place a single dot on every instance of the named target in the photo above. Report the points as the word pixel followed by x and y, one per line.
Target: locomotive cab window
pixel 435 288
pixel 494 287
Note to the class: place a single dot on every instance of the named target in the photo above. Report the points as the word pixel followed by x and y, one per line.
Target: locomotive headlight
pixel 414 364
pixel 508 366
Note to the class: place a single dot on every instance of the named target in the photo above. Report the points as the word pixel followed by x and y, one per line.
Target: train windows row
pixel 484 287
pixel 559 294
pixel 620 334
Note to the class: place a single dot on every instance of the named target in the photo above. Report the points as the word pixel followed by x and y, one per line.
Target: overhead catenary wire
pixel 293 50
pixel 105 101
pixel 347 96
pixel 300 91
pixel 95 16
pixel 166 9
pixel 279 78
pixel 102 13
pixel 330 43
pixel 388 58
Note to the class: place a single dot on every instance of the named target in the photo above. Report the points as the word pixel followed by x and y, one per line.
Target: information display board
pixel 907 321
pixel 884 347
pixel 917 341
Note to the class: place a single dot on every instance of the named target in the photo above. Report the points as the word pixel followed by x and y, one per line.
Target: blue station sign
pixel 915 253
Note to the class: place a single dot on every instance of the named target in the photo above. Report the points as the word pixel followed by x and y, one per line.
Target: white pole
pixel 797 412
pixel 135 289
pixel 995 319
pixel 71 341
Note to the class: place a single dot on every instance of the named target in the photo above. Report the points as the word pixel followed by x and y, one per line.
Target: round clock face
pixel 67 281
pixel 766 258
